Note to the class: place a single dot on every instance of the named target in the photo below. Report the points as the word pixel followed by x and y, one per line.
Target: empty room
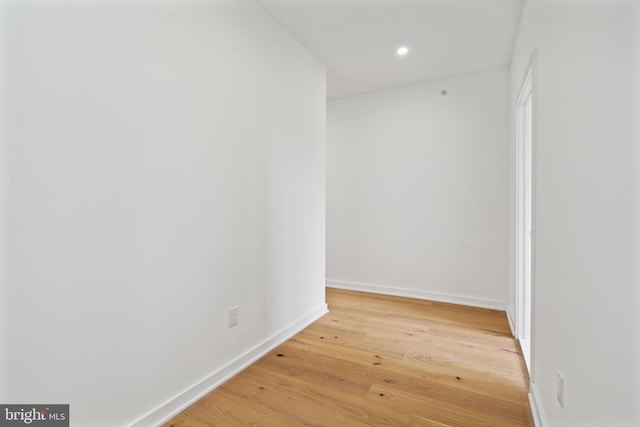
pixel 320 213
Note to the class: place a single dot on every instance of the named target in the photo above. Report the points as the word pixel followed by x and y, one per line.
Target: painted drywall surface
pixel 587 278
pixel 163 161
pixel 418 187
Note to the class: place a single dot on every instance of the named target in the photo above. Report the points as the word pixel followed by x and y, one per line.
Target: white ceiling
pixel 357 39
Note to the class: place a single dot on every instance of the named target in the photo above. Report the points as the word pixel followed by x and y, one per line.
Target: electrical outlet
pixel 560 388
pixel 233 316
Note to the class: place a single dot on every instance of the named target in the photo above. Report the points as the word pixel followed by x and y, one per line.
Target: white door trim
pixel 526 105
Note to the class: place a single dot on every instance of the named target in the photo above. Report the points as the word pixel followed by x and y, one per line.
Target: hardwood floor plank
pixel 420 421
pixel 185 420
pixel 455 409
pixel 380 360
pixel 300 408
pixel 409 371
pixel 404 378
pixel 351 407
pixel 240 411
pixel 476 318
pixel 308 366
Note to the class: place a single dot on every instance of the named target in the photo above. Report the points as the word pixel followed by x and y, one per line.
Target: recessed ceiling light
pixel 402 50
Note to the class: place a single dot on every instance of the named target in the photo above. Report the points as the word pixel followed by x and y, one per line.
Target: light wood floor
pixel 376 360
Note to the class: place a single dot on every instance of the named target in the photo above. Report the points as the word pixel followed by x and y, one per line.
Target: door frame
pixel 525 155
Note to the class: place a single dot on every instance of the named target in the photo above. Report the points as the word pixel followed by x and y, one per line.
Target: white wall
pixel 587 270
pixel 162 162
pixel 418 190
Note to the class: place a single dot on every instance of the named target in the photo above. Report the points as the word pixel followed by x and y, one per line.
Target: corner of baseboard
pixel 537 410
pixel 187 397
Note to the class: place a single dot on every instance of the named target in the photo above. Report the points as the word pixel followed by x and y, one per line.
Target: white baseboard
pixel 512 325
pixel 182 400
pixel 418 294
pixel 537 410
